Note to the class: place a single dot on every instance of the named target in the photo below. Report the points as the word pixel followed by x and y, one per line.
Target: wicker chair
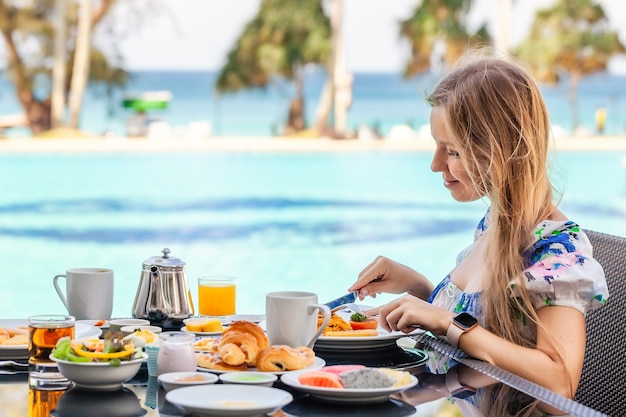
pixel 604 371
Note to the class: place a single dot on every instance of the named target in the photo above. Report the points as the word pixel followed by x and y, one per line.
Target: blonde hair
pixel 498 122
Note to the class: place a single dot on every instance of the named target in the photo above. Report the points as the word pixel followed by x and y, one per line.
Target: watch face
pixel 465 320
pixel 463 394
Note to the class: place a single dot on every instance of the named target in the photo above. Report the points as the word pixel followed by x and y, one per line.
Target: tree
pixel 30 30
pixel 278 43
pixel 570 39
pixel 439 26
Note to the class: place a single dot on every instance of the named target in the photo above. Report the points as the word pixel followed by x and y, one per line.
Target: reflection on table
pixel 142 395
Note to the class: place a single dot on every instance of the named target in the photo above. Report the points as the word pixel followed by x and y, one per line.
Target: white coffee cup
pixel 291 318
pixel 89 292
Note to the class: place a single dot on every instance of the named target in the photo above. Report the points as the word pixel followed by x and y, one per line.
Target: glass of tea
pixel 44 332
pixel 216 295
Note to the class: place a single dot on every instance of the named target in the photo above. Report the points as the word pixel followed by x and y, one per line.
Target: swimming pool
pixel 298 221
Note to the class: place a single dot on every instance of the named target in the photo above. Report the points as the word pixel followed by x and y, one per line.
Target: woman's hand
pixel 385 275
pixel 408 312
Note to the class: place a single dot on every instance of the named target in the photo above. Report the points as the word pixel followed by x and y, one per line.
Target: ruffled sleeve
pixel 562 270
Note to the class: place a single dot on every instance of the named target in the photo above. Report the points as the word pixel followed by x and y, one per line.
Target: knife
pixel 344 299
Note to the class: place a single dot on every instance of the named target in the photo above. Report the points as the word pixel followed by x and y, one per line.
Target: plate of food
pixel 201 326
pixel 244 346
pixel 277 360
pixel 355 384
pixel 350 330
pixel 14 337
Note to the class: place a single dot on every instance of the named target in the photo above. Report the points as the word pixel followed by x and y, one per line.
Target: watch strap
pixel 460 324
pixel 455 388
pixel 454 333
pixel 452 381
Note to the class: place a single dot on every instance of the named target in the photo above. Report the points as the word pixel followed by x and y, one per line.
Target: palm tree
pixel 439 24
pixel 278 43
pixel 573 39
pixel 81 62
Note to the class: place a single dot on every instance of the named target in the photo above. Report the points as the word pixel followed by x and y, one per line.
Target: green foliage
pixel 282 38
pixel 30 25
pixel 436 21
pixel 572 37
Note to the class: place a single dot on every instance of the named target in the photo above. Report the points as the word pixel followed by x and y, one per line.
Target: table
pixel 143 396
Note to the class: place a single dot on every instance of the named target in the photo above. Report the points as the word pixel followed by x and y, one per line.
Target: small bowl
pixel 117 324
pixel 126 330
pixel 173 380
pixel 99 376
pixel 248 378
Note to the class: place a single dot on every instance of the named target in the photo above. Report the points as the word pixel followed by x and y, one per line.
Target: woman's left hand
pixel 408 313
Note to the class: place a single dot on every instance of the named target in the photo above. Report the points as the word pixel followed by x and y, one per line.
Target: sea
pixel 274 220
pixel 379 100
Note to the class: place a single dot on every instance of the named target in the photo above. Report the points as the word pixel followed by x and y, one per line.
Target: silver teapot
pixel 163 295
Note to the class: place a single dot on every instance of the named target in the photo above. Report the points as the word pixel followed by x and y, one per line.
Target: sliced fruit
pixel 337 369
pixel 320 379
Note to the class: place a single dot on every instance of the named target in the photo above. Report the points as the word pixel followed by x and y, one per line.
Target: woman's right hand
pixel 385 275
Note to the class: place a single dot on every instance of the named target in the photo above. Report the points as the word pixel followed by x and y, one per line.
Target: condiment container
pixel 176 353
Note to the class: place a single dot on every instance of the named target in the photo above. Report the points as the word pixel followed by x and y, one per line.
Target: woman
pixel 529 276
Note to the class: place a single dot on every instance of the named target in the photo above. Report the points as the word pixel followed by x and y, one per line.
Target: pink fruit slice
pixel 320 379
pixel 338 369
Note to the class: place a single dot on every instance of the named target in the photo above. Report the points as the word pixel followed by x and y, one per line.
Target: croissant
pixel 4 335
pixel 241 343
pixel 278 358
pixel 208 360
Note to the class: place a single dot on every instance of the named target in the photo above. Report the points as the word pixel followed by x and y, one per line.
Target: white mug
pixel 89 292
pixel 291 318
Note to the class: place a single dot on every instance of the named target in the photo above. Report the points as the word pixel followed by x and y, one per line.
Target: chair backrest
pixel 602 385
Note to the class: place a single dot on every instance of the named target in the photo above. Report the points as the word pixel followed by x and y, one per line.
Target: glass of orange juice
pixel 216 295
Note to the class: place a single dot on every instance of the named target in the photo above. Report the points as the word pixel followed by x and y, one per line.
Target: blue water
pixel 382 99
pixel 276 221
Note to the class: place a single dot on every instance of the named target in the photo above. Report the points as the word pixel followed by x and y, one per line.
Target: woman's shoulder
pixel 561 269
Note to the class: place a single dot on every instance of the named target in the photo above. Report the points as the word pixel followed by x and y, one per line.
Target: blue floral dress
pixel 560 272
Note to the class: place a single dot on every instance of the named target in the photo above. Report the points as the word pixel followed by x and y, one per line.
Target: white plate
pixel 345 395
pixel 384 338
pixel 103 327
pixel 254 318
pixel 229 400
pixel 317 364
pixel 218 333
pixel 21 351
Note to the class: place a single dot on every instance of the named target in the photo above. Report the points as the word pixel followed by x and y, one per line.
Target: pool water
pixel 276 221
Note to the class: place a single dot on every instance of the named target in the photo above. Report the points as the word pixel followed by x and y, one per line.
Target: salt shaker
pixel 176 353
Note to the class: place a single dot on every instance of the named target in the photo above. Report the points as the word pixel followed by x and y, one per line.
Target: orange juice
pixel 216 298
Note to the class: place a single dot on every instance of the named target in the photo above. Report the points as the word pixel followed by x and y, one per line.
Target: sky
pixel 197 34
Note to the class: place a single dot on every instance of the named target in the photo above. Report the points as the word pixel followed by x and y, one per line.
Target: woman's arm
pixel 559 372
pixel 557 368
pixel 385 275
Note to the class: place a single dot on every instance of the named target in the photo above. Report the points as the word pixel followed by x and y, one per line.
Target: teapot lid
pixel 164 260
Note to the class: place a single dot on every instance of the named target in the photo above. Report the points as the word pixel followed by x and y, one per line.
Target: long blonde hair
pixel 498 122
